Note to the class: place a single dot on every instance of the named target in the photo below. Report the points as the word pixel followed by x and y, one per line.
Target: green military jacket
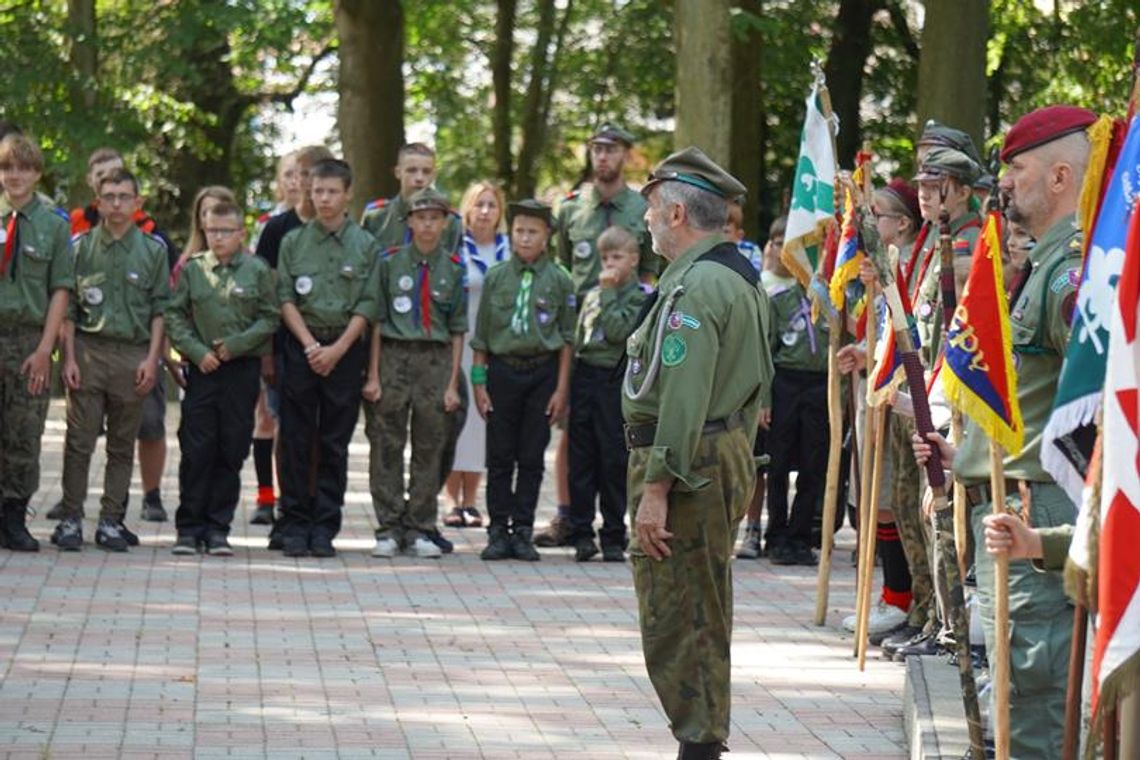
pixel 235 303
pixel 796 343
pixel 41 265
pixel 928 306
pixel 386 219
pixel 403 295
pixel 120 285
pixel 583 217
pixel 330 276
pixel 605 320
pixel 550 310
pixel 714 360
pixel 1039 327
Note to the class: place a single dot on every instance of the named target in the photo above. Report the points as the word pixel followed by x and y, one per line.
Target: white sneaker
pixel 425 548
pixel 385 548
pixel 883 618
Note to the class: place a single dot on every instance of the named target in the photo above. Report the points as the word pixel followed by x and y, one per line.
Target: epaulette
pixel 379 203
pixel 264 218
pixel 389 252
pixel 572 195
pixel 77 236
pixel 61 213
pixel 156 238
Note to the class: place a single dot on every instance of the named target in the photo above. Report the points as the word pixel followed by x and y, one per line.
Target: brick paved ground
pixel 151 655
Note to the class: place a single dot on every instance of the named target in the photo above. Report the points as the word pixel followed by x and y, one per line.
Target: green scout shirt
pixel 235 303
pixel 715 360
pixel 400 288
pixel 550 309
pixel 583 217
pixel 607 317
pixel 329 276
pixel 1039 327
pixel 796 343
pixel 928 306
pixel 42 264
pixel 120 285
pixel 386 219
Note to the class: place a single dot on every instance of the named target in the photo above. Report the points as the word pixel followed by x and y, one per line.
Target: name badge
pixel 93 295
pixel 405 282
pixel 402 304
pixel 582 249
pixel 303 285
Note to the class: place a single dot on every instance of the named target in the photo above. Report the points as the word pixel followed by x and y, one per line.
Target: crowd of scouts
pixel 474 341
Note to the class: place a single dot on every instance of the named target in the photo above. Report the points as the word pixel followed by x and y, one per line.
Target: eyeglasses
pixel 879 215
pixel 221 231
pixel 113 199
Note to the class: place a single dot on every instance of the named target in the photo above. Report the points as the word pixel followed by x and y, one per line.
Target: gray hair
pixel 706 211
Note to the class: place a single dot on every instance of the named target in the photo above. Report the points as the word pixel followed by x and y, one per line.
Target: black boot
pixel 701 750
pixel 14 533
pixel 522 544
pixel 498 544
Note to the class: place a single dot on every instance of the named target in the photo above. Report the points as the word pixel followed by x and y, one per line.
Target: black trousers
pixel 518 432
pixel 318 416
pixel 798 437
pixel 214 435
pixel 598 456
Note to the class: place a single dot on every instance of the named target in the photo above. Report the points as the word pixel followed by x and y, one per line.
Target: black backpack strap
pixel 729 255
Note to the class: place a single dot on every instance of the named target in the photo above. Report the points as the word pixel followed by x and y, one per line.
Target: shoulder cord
pixel 655 362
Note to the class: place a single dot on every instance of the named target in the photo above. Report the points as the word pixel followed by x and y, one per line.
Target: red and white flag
pixel 1116 652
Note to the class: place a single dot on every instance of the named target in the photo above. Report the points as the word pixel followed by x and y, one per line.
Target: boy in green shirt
pixel 386 218
pixel 221 318
pixel 598 455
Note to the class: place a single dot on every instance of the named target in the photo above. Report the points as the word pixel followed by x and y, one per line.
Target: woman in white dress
pixel 484 244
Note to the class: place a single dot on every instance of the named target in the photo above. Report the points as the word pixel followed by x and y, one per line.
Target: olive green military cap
pixel 530 207
pixel 693 167
pixel 937 135
pixel 427 199
pixel 609 134
pixel 947 162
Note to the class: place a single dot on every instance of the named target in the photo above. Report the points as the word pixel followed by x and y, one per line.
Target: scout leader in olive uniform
pixel 112 343
pixel 799 431
pixel 328 285
pixel 386 218
pixel 698 376
pixel 413 369
pixel 36 276
pixel 221 318
pixel 523 345
pixel 1046 152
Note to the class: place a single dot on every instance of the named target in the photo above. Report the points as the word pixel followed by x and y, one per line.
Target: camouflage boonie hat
pixel 694 168
pixel 427 199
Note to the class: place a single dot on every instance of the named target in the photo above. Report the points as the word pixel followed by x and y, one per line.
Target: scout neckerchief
pixel 501 251
pixel 11 243
pixel 520 325
pixel 914 251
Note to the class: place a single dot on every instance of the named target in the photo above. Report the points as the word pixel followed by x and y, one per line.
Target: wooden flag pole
pixel 999 663
pixel 866 476
pixel 961 518
pixel 834 417
pixel 1071 743
pixel 864 611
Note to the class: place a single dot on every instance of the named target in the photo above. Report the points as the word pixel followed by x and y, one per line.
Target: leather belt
pixel 526 363
pixel 639 436
pixel 982 494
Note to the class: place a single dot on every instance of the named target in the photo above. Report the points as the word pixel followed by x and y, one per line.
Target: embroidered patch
pixel 673 350
pixel 1068 306
pixel 572 301
pixel 303 285
pixel 402 304
pixel 679 319
pixel 1060 282
pixel 93 295
pixel 405 282
pixel 582 249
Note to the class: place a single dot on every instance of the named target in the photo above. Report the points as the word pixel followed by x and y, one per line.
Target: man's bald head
pixel 1043 184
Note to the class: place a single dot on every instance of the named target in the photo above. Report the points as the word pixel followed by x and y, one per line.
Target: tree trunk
pixel 501 56
pixel 84 48
pixel 704 78
pixel 370 111
pixel 846 60
pixel 532 126
pixel 748 117
pixel 952 67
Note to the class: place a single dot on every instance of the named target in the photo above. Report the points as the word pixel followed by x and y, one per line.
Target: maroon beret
pixel 906 194
pixel 1043 126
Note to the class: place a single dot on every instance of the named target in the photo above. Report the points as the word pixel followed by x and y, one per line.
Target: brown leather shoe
pixel 557 533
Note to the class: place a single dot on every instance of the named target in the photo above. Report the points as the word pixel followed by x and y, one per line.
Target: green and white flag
pixel 813 193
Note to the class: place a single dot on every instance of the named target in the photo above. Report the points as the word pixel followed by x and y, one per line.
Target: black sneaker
pixel 585 549
pixel 437 538
pixel 321 546
pixel 782 554
pixel 108 536
pixel 218 546
pixel 132 539
pixel 804 555
pixel 295 546
pixel 613 553
pixel 900 638
pixel 152 509
pixel 56 512
pixel 522 544
pixel 68 535
pixel 185 545
pixel 263 515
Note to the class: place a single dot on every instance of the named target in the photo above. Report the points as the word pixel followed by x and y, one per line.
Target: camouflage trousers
pixel 1040 629
pixel 914 530
pixel 413 377
pixel 106 392
pixel 22 417
pixel 685 601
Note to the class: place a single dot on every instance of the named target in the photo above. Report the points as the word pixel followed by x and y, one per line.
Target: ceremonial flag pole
pixel 949 584
pixel 864 611
pixel 999 675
